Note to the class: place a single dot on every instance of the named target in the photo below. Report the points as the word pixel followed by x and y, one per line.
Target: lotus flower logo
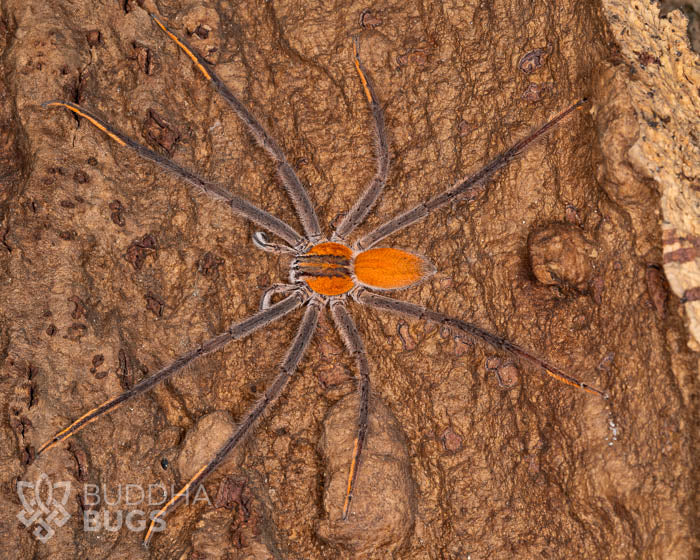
pixel 41 506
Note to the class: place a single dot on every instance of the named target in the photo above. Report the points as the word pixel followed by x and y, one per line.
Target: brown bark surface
pixel 110 269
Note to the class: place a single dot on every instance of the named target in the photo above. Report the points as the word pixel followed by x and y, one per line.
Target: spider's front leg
pixel 290 180
pixel 235 332
pixel 239 205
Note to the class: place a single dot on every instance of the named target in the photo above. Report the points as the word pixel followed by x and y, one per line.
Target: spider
pixel 324 272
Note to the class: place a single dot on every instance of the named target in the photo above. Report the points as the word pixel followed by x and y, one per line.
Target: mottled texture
pixel 384 505
pixel 559 254
pixel 102 255
pixel 657 79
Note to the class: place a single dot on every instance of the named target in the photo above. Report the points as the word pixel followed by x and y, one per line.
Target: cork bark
pixel 110 269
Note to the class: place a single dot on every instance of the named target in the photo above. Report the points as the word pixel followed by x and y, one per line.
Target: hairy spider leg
pixel 357 214
pixel 239 205
pixel 296 351
pixel 462 187
pixel 348 332
pixel 405 308
pixel 297 192
pixel 235 332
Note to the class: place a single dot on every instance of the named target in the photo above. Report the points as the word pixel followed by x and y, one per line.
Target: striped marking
pixel 326 268
pixel 172 501
pixel 183 46
pixel 358 67
pixel 351 479
pixel 78 111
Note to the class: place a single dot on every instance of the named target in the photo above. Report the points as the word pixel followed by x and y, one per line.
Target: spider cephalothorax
pixel 323 272
pixel 333 269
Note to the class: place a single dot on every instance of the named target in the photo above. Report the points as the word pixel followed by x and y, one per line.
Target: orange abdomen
pixel 390 269
pixel 329 269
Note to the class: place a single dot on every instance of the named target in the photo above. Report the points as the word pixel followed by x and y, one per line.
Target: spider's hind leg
pixel 419 312
pixel 364 204
pixel 234 332
pixel 348 331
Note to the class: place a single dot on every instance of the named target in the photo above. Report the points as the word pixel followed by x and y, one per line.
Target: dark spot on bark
pixel 368 19
pixel 79 310
pixel 3 238
pixel 139 249
pixel 209 263
pixel 51 330
pixel 20 424
pixel 76 331
pixel 116 207
pixel 80 460
pixel 154 304
pixel 646 58
pixel 28 455
pixel 81 177
pixel 202 31
pixel 93 37
pixel 143 57
pixel 160 132
pixel 657 288
pixel 68 235
pixel 97 360
pixel 234 495
pixel 125 371
pixel 682 255
pixel 692 294
pixel 531 61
